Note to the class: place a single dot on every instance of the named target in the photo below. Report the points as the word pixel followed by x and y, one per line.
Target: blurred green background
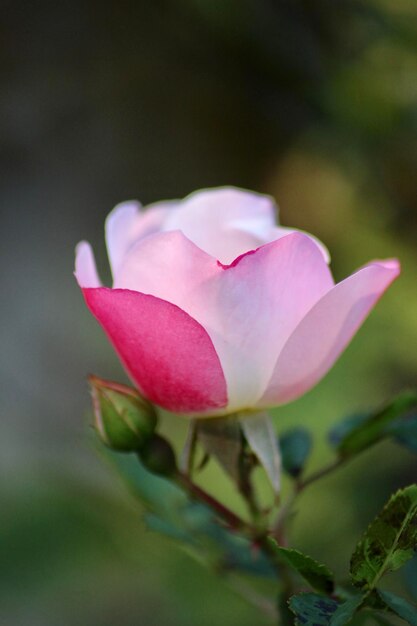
pixel 312 101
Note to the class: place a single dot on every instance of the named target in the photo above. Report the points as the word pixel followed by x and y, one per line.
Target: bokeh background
pixel 313 102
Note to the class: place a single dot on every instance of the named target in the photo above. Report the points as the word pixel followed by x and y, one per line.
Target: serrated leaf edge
pixel 324 570
pixel 382 570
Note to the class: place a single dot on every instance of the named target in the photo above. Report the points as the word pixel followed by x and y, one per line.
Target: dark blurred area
pixel 313 101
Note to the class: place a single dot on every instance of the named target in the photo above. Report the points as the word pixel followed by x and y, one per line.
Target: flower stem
pixel 232 520
pixel 324 471
pixel 259 537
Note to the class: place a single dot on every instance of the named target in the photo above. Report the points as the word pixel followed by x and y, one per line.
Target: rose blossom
pixel 214 309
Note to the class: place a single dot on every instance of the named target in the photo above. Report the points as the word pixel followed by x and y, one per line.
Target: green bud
pixel 159 457
pixel 124 420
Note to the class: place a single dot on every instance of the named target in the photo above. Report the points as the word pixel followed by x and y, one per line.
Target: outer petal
pixel 282 231
pixel 326 330
pixel 85 266
pixel 248 308
pixel 168 354
pixel 224 222
pixel 167 265
pixel 127 223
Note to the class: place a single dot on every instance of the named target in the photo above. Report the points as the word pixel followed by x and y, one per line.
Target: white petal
pixel 282 231
pixel 85 266
pixel 127 224
pixel 120 228
pixel 225 222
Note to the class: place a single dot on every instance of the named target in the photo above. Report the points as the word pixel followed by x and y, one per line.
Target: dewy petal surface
pixel 248 309
pixel 326 330
pixel 168 354
pixel 225 222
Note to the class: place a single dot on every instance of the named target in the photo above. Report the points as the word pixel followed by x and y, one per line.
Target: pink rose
pixel 214 309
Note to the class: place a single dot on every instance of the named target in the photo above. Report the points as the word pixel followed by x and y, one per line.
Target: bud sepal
pixel 123 419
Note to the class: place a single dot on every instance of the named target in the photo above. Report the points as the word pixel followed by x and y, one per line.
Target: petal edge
pixel 326 330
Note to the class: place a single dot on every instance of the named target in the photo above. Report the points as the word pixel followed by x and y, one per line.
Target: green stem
pixel 247 490
pixel 257 535
pixel 188 452
pixel 324 471
pixel 232 520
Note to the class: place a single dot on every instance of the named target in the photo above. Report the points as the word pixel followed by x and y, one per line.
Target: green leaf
pixel 400 607
pixel 156 493
pixel 363 619
pixel 316 574
pixel 260 435
pixel 405 432
pixel 346 611
pixel 345 427
pixel 189 523
pixel 295 446
pixel 198 528
pixel 368 432
pixel 167 528
pixel 312 609
pixel 389 541
pixel 238 554
pixel 227 550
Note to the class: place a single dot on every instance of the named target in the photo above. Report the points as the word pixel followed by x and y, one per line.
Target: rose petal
pixel 127 223
pixel 120 227
pixel 326 330
pixel 224 222
pixel 249 308
pixel 85 266
pixel 167 353
pixel 280 231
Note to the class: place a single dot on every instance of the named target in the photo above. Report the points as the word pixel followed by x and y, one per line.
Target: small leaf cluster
pixel 305 592
pixel 191 524
pixel 388 543
pixel 397 420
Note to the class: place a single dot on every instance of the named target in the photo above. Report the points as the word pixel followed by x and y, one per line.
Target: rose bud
pixel 123 419
pixel 158 456
pixel 215 310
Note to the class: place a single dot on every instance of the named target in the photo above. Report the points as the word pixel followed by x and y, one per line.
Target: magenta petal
pixel 167 353
pixel 325 331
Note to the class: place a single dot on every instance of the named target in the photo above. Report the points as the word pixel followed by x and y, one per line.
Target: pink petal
pixel 128 223
pixel 326 330
pixel 224 222
pixel 85 266
pixel 281 231
pixel 167 353
pixel 248 308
